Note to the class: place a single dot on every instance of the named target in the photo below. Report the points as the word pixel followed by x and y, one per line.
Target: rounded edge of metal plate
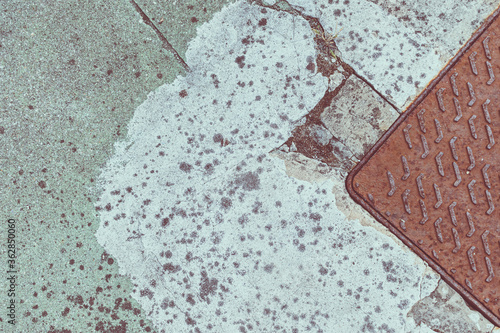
pixel 468 297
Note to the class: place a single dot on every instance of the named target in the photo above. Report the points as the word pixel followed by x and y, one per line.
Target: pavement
pixel 180 166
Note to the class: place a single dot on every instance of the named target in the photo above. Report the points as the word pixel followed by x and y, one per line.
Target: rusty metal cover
pixel 433 179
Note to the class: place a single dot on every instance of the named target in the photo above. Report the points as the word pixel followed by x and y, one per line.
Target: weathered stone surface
pixel 446 25
pixel 336 79
pixel 71 75
pixel 388 54
pixel 398 46
pixel 212 231
pixel 217 234
pixel 320 134
pixel 358 116
pixel 313 140
pixel 445 311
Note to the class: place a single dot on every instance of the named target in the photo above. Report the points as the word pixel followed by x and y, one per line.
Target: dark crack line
pixel 314 115
pixel 375 90
pixel 315 24
pixel 165 44
pixel 313 21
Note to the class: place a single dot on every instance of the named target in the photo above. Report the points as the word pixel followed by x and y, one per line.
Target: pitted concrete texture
pixel 217 234
pixel 246 263
pixel 216 219
pixel 398 46
pixel 71 75
pixel 178 20
pixel 358 116
pixel 446 25
pixel 213 232
pixel 445 311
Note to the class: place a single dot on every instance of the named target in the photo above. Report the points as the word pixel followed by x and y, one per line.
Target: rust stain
pixel 434 177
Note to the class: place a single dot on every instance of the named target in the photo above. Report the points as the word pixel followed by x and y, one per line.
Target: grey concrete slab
pixel 446 25
pixel 358 116
pixel 211 218
pixel 71 75
pixel 179 20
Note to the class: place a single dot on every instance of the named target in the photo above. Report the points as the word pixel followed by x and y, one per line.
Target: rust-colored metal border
pixel 469 298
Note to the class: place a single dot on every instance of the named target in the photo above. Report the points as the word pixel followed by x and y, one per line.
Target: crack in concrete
pixel 378 92
pixel 313 117
pixel 289 9
pixel 165 43
pixel 326 68
pixel 315 24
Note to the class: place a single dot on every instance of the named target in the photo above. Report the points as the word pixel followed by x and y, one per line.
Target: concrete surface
pixel 399 46
pixel 178 20
pixel 217 201
pixel 72 73
pixel 358 107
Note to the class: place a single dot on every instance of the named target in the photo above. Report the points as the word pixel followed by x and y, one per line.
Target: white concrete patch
pixel 398 46
pixel 387 53
pixel 335 80
pixel 446 25
pixel 210 228
pixel 222 110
